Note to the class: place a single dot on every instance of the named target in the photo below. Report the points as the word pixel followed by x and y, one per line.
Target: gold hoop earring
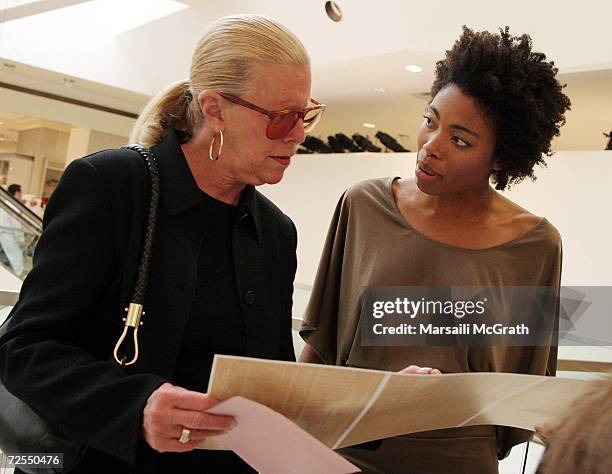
pixel 212 143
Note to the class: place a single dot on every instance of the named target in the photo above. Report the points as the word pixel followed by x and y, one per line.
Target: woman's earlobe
pixel 497 165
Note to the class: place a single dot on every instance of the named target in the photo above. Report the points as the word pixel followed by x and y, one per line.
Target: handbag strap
pixel 135 309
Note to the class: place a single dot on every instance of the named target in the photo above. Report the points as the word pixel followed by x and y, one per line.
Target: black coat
pixel 56 354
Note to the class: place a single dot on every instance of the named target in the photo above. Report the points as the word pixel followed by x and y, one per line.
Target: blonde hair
pixel 223 61
pixel 581 443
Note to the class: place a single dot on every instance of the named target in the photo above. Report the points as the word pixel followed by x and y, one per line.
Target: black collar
pixel 179 190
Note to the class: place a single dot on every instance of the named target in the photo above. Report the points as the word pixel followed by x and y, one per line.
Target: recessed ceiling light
pixel 369 125
pixel 413 68
pixel 380 90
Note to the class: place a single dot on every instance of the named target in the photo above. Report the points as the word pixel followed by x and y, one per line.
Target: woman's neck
pixel 212 177
pixel 471 205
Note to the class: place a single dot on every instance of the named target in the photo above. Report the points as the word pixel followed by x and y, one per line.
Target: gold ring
pixel 185 435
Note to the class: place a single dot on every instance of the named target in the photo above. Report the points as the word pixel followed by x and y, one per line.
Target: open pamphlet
pixel 343 406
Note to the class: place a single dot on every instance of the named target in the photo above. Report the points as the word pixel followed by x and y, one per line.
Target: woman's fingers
pixel 415 369
pixel 170 409
pixel 411 369
pixel 200 421
pixel 196 435
pixel 175 432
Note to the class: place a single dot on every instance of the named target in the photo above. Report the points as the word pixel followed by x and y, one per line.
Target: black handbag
pixel 21 429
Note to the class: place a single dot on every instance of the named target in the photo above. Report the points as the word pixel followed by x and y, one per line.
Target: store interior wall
pixel 572 192
pixel 400 115
pixel 19 170
pixel 103 141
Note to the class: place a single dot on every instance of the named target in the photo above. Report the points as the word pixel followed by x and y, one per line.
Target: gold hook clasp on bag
pixel 134 312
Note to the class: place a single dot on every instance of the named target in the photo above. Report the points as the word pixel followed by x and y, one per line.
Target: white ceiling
pixel 120 63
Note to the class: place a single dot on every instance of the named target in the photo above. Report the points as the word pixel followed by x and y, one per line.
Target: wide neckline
pixel 408 225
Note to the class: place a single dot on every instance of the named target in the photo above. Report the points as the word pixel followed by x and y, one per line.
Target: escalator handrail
pixel 20 211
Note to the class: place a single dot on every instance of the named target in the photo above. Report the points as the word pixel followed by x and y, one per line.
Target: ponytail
pixel 173 107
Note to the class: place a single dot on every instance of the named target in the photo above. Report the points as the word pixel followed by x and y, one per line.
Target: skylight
pixel 106 17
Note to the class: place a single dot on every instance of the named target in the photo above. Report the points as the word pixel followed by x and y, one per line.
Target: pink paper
pixel 272 444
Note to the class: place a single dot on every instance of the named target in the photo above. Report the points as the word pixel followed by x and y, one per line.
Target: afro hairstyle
pixel 517 91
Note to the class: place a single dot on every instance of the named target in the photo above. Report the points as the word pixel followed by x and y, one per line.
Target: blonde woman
pixel 222 269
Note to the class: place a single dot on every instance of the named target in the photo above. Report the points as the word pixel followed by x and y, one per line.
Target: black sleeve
pixel 45 356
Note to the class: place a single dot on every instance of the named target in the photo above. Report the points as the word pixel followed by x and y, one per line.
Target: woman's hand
pixel 415 369
pixel 169 409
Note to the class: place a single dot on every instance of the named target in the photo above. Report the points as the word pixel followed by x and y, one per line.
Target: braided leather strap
pixel 135 309
pixel 142 279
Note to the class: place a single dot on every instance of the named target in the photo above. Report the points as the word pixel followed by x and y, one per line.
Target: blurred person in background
pixel 12 238
pixel 581 442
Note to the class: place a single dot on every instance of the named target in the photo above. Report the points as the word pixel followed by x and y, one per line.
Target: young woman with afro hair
pixel 496 107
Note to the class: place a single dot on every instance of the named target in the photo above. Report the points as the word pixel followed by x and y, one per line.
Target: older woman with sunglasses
pixel 222 268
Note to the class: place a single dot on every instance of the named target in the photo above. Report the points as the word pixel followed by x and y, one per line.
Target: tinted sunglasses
pixel 282 121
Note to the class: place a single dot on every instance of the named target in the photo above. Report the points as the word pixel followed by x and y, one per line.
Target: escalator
pixel 20 229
